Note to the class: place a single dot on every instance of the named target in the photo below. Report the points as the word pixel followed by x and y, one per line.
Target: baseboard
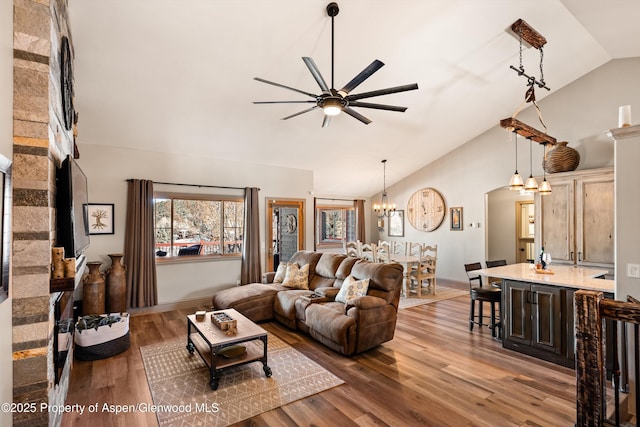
pixel 161 308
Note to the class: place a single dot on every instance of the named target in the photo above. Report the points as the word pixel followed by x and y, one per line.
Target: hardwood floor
pixel 434 373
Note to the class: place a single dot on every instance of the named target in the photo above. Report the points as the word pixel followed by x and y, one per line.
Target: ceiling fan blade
pixel 356 115
pixel 300 112
pixel 378 106
pixel 283 102
pixel 326 121
pixel 364 75
pixel 380 92
pixel 285 87
pixel 315 72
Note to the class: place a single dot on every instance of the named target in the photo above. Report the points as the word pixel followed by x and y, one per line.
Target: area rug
pixel 442 293
pixel 181 382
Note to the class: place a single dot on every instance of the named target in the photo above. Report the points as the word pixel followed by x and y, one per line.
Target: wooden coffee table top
pixel 247 330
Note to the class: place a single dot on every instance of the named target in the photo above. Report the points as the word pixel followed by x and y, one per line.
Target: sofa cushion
pixel 255 300
pixel 328 324
pixel 297 277
pixel 284 306
pixel 383 279
pixel 351 289
pixel 326 270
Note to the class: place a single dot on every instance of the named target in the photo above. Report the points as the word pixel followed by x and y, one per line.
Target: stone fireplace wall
pixel 40 142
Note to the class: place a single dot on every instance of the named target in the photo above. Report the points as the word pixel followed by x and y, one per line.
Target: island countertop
pixel 563 275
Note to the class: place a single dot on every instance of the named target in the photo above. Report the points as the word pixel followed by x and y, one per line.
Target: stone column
pixel 39 142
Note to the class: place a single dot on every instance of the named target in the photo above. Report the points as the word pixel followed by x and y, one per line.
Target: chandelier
pixel 384 208
pixel 526 33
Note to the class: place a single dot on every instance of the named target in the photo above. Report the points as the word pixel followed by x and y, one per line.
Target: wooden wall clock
pixel 66 83
pixel 426 209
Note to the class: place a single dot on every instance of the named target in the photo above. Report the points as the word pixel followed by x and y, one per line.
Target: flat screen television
pixel 72 203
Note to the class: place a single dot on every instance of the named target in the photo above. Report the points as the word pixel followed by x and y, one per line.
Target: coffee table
pixel 208 340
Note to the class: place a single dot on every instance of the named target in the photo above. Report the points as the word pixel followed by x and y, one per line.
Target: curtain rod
pixel 196 185
pixel 342 200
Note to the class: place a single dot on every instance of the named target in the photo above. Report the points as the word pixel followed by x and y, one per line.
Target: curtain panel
pixel 360 231
pixel 250 270
pixel 139 245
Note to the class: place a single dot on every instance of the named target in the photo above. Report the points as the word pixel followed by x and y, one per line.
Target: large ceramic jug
pixel 93 290
pixel 116 285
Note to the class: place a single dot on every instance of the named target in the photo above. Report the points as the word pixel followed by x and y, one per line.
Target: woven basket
pixel 561 159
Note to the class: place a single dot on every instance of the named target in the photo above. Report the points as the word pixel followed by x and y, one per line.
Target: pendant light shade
pixel 531 186
pixel 545 187
pixel 516 183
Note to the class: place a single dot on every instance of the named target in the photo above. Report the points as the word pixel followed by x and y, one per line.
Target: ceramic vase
pixel 561 158
pixel 116 285
pixel 93 285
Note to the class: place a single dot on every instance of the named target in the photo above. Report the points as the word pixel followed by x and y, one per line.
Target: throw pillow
pixel 297 277
pixel 352 288
pixel 281 272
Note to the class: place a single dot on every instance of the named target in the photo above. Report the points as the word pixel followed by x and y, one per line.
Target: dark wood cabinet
pixel 538 321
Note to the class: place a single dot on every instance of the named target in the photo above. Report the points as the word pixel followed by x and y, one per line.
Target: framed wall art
pixel 396 224
pixel 100 218
pixel 455 218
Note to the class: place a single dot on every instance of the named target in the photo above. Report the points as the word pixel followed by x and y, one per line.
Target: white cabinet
pixel 576 219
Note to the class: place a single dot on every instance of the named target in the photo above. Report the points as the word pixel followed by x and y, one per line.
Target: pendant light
pixel 516 180
pixel 531 186
pixel 384 208
pixel 545 187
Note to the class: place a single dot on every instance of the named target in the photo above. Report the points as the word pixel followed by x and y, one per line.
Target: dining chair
pixel 353 248
pixel 414 248
pixel 424 270
pixel 399 248
pixel 383 251
pixel 483 294
pixel 494 281
pixel 368 252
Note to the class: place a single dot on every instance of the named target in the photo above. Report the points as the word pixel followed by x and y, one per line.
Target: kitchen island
pixel 538 308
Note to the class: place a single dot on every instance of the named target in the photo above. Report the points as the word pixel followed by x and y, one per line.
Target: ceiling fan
pixel 333 101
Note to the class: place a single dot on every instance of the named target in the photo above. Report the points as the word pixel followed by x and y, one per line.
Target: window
pixel 201 225
pixel 335 225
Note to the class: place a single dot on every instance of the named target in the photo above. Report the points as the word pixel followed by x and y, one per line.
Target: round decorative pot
pixel 561 158
pixel 93 285
pixel 116 285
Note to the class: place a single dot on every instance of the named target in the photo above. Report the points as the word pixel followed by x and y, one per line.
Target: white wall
pixel 6 149
pixel 108 168
pixel 579 113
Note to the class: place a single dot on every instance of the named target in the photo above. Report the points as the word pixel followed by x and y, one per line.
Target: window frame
pixel 169 259
pixel 323 243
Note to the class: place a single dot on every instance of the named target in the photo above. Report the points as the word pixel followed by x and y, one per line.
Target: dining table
pixel 407 262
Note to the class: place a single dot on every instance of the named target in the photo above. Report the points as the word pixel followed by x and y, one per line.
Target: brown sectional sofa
pixel 364 323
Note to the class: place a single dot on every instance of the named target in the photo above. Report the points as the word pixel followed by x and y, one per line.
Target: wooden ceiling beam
pixel 527 131
pixel 529 35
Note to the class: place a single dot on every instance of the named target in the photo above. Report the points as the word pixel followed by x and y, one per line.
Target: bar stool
pixel 496 263
pixel 481 294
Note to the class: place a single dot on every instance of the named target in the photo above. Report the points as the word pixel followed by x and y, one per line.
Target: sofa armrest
pixel 327 291
pixel 366 302
pixel 268 277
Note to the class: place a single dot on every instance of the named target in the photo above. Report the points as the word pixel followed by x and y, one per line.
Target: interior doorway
pixel 285 230
pixel 525 231
pixel 501 217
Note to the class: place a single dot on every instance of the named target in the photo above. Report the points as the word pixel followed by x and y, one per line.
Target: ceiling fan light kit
pixel 333 101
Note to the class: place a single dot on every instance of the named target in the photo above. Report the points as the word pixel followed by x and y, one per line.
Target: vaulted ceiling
pixel 177 75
